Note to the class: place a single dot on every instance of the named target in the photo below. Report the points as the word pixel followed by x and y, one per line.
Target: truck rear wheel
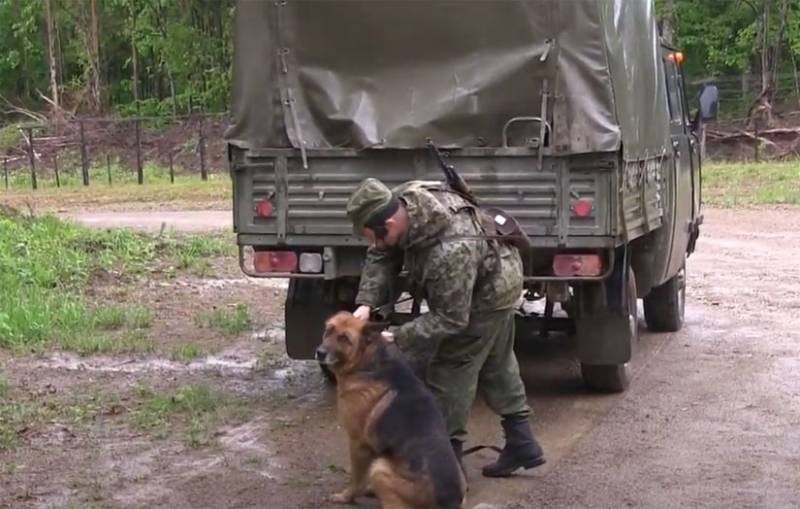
pixel 665 305
pixel 612 378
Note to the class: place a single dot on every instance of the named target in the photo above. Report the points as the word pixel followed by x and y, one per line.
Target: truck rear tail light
pixel 263 208
pixel 577 265
pixel 274 261
pixel 311 263
pixel 582 208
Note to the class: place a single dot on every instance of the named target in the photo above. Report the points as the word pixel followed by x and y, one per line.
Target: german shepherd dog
pixel 399 447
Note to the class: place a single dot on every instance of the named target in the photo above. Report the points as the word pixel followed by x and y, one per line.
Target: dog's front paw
pixel 345 497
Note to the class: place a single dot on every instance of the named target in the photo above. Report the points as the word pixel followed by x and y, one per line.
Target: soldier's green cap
pixel 371 196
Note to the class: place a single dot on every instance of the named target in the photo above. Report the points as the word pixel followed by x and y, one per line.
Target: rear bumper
pixel 347 262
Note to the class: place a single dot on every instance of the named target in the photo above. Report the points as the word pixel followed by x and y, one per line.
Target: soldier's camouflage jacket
pixel 459 275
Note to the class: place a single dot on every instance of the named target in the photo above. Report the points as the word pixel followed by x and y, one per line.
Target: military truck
pixel 570 116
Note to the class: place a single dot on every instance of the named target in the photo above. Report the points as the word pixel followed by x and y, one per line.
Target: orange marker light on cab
pixel 676 57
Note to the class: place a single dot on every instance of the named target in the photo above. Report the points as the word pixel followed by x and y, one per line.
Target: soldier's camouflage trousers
pixel 480 359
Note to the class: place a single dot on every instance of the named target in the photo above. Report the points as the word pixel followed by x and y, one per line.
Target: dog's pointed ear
pixel 373 330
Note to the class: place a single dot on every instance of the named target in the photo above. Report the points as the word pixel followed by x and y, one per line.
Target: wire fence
pixel 84 151
pixel 738 93
pixel 87 150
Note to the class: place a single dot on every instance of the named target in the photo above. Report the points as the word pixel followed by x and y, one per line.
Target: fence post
pixel 108 166
pixel 201 146
pixel 5 171
pixel 55 169
pixel 171 169
pixel 84 155
pixel 32 157
pixel 139 170
pixel 755 143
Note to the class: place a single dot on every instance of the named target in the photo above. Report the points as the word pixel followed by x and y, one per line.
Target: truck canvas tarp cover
pixel 389 74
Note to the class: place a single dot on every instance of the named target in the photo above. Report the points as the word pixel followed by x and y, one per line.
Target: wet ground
pixel 712 418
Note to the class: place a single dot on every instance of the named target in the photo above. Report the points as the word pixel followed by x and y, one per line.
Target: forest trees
pixel 170 57
pixel 154 57
pixel 753 42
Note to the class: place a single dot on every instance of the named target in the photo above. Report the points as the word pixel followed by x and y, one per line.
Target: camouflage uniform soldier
pixel 471 286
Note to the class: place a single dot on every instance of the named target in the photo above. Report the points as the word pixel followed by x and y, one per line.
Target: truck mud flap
pixel 604 338
pixel 309 302
pixel 604 329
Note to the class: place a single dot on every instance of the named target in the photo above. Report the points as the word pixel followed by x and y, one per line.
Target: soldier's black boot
pixel 521 449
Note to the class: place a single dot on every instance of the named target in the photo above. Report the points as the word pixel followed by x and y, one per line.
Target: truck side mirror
pixel 708 103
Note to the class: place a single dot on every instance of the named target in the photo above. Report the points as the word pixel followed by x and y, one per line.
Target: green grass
pixel 187 352
pixel 118 316
pixel 132 342
pixel 196 411
pixel 110 318
pixel 5 388
pixel 197 407
pixel 16 416
pixel 23 413
pixel 140 317
pixel 10 137
pixel 746 184
pixel 268 357
pixel 193 258
pixel 228 321
pixel 188 191
pixel 46 265
pixel 70 176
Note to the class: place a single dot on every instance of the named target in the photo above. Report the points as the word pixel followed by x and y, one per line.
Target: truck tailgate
pixel 307 206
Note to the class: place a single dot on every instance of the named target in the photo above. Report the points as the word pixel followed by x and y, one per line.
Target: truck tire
pixel 613 378
pixel 665 305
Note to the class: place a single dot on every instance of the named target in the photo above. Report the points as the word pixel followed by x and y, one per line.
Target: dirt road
pixel 712 418
pixel 153 221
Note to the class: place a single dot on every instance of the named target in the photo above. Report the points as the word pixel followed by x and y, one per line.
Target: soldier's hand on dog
pixel 362 312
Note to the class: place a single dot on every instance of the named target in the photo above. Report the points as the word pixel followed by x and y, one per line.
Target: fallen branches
pixel 19 110
pixel 737 142
pixel 740 133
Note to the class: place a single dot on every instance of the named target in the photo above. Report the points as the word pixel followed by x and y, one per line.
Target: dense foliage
pixel 167 57
pixel 173 54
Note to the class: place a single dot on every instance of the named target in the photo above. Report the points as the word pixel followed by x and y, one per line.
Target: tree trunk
pixel 134 57
pixel 221 34
pixel 796 81
pixel 765 46
pixel 172 93
pixel 745 90
pixel 93 48
pixel 51 50
pixel 776 54
pixel 60 53
pixel 26 82
pixel 761 110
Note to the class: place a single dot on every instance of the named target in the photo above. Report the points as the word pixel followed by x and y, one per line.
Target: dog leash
pixel 480 447
pixel 384 310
